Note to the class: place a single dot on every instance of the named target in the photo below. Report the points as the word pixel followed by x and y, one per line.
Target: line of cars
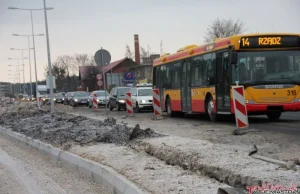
pixel 141 98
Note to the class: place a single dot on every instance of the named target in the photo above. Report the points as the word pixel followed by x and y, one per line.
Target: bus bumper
pixel 273 107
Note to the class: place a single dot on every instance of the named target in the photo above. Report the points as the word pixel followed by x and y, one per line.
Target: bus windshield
pixel 267 67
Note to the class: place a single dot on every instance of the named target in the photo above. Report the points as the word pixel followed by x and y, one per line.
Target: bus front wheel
pixel 273 116
pixel 210 110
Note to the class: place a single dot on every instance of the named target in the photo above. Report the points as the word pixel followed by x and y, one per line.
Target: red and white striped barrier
pixel 95 102
pixel 129 104
pixel 240 108
pixel 156 102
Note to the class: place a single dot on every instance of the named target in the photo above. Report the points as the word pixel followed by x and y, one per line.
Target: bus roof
pixel 218 44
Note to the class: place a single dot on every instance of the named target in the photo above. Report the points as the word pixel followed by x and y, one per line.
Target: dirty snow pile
pixel 16 111
pixel 62 128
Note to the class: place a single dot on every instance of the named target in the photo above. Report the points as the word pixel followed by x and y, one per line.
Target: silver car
pixel 100 98
pixel 58 98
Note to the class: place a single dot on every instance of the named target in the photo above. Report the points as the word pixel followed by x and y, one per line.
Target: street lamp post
pixel 28 36
pixel 31 10
pixel 49 59
pixel 18 59
pixel 17 74
pixel 24 66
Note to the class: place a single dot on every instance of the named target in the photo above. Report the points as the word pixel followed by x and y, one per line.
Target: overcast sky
pixel 83 26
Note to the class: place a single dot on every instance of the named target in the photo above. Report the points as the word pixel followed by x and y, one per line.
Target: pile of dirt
pixel 17 111
pixel 61 128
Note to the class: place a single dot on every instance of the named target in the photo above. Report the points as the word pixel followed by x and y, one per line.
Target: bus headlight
pixel 297 100
pixel 250 102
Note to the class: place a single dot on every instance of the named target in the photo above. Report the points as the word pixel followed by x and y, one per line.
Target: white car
pixel 142 98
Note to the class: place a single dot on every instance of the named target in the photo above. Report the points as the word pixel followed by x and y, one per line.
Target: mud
pixel 63 129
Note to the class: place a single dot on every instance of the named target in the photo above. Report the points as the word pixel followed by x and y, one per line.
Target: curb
pixel 103 175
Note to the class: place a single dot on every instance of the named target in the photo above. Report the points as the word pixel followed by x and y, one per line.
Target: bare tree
pixel 82 60
pixel 221 28
pixel 128 52
pixel 144 53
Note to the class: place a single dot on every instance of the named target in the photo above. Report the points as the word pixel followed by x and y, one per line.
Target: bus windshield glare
pixel 267 67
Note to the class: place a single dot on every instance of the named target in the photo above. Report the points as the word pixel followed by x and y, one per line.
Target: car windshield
pixel 58 95
pixel 267 67
pixel 122 91
pixel 81 94
pixel 102 93
pixel 144 92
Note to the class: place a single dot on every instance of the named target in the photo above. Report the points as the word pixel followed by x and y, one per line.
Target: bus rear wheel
pixel 210 110
pixel 273 116
pixel 169 109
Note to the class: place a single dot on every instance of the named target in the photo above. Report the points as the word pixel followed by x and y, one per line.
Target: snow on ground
pixel 156 162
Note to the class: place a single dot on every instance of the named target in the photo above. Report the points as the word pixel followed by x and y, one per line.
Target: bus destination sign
pixel 269 41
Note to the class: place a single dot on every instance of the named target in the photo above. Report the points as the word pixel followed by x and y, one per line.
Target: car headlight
pixel 143 101
pixel 122 101
pixel 63 99
pixel 54 99
pixel 76 100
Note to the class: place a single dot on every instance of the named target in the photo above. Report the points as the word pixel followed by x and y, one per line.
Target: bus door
pixel 186 86
pixel 222 85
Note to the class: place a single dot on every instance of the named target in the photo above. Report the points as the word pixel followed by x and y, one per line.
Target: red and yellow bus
pixel 198 79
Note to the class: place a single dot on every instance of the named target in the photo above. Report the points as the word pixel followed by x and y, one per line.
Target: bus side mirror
pixel 233 57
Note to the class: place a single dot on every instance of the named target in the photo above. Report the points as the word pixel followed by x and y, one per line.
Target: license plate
pixel 83 101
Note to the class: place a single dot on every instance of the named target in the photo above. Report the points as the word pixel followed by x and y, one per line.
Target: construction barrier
pixel 156 102
pixel 129 104
pixel 95 102
pixel 240 108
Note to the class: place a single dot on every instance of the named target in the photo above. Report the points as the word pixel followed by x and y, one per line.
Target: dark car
pixel 117 98
pixel 66 99
pixel 79 98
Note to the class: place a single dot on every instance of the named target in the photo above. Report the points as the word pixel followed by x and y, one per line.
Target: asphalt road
pixel 289 122
pixel 25 171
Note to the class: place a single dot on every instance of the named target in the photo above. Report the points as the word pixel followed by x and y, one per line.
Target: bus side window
pixel 167 76
pixel 176 71
pixel 211 70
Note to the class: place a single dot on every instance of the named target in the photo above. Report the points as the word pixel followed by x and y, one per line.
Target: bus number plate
pixel 291 92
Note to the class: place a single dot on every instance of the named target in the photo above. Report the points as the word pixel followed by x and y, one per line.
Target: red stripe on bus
pixel 222 43
pixel 198 106
pixel 176 105
pixel 199 50
pixel 176 56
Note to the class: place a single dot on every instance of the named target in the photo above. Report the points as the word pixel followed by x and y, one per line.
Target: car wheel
pixel 137 108
pixel 118 107
pixel 110 106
